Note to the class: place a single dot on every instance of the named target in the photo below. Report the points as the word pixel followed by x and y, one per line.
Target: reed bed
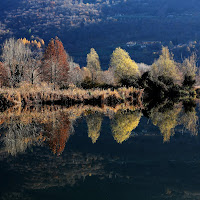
pixel 43 93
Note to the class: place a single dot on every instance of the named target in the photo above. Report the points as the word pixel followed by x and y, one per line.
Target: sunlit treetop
pixel 123 65
pixel 165 66
pixel 35 43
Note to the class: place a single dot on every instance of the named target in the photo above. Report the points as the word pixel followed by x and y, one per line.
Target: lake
pixel 87 152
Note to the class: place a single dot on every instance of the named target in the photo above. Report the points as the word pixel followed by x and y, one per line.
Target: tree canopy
pixel 165 66
pixel 55 63
pixel 123 65
pixel 93 64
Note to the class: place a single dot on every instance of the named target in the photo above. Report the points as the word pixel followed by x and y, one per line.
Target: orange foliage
pixel 36 43
pixel 55 62
pixel 58 133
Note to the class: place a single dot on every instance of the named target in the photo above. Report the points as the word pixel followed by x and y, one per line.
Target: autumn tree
pixel 123 124
pixel 94 122
pixel 165 66
pixel 166 120
pixel 55 63
pixel 189 65
pixel 34 69
pixel 107 77
pixel 15 56
pixel 3 75
pixel 122 65
pixel 189 68
pixel 143 67
pixel 75 74
pixel 93 64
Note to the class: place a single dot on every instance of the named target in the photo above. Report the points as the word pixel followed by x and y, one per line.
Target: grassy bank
pixel 29 94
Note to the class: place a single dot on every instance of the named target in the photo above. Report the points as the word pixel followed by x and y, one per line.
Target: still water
pixel 85 152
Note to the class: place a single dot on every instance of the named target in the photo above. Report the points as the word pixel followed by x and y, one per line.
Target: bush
pixel 188 82
pixel 133 82
pixel 89 84
pixel 159 88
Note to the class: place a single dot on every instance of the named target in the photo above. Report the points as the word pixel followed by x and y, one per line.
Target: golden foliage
pixel 166 121
pixel 165 66
pixel 93 60
pixel 93 64
pixel 189 65
pixel 123 124
pixel 94 122
pixel 189 121
pixel 122 64
pixel 36 43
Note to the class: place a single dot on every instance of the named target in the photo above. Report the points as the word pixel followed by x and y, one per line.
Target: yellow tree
pixel 166 121
pixel 123 124
pixel 165 66
pixel 190 120
pixel 123 66
pixel 93 64
pixel 189 66
pixel 94 122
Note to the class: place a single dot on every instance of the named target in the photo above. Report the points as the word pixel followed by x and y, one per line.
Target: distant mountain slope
pixel 102 24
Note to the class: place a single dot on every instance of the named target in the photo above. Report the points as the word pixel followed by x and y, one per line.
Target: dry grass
pixel 43 93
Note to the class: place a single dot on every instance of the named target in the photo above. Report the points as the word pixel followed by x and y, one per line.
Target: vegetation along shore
pixel 31 73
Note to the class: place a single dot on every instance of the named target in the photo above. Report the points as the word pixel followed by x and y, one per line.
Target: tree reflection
pixel 23 128
pixel 58 132
pixel 166 119
pixel 124 123
pixel 94 121
pixel 189 117
pixel 19 137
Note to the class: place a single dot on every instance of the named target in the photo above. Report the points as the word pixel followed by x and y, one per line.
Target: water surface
pixel 86 152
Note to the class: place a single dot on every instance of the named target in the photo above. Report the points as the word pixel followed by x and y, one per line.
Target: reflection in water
pixel 166 121
pixel 53 125
pixel 189 119
pixel 168 116
pixel 94 121
pixel 58 132
pixel 140 162
pixel 20 136
pixel 124 123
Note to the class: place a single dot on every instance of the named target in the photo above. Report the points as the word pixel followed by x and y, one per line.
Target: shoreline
pixel 45 96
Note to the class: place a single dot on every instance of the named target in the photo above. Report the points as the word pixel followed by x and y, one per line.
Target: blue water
pixel 144 166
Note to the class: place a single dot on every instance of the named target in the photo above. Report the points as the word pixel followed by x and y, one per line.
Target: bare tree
pixel 15 56
pixel 33 69
pixel 75 73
